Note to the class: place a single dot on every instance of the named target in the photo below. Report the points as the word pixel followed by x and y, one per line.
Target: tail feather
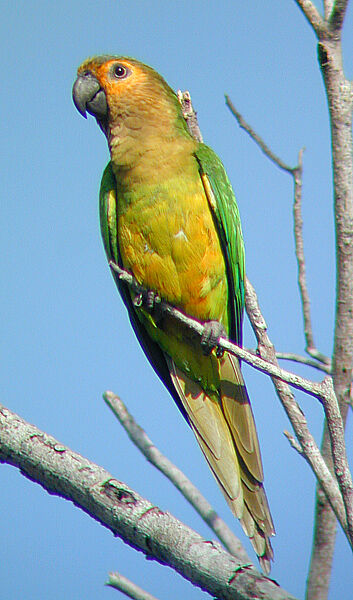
pixel 239 415
pixel 204 413
pixel 224 427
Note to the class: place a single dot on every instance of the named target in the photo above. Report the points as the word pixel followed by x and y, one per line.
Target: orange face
pixel 117 76
pixel 109 87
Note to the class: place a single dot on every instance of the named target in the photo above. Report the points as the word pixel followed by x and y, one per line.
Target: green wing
pixel 226 214
pixel 109 231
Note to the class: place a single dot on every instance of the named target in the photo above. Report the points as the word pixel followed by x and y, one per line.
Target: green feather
pixel 227 219
pixel 108 216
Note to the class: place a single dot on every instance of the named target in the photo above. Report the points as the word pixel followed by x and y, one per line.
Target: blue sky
pixel 65 333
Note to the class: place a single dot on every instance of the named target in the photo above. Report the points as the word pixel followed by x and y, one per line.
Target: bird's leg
pixel 212 331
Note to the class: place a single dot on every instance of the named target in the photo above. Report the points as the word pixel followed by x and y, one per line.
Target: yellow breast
pixel 168 239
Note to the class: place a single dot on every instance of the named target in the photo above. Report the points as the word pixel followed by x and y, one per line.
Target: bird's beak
pixel 88 96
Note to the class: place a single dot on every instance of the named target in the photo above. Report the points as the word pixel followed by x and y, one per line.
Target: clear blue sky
pixel 65 334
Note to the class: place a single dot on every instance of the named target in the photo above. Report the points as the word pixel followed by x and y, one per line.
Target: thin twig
pixel 312 14
pixel 304 360
pixel 127 587
pixel 255 136
pixel 141 440
pixel 293 442
pixel 299 253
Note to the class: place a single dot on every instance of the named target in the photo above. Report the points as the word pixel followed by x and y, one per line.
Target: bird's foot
pixel 147 299
pixel 212 331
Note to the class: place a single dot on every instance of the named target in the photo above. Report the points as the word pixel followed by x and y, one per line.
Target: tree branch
pixel 310 347
pixel 312 15
pixel 324 535
pixel 145 527
pixel 127 587
pixel 328 6
pixel 176 476
pixel 335 426
pixel 257 139
pixel 339 94
pixel 337 15
pixel 293 442
pixel 161 307
pixel 189 114
pixel 303 360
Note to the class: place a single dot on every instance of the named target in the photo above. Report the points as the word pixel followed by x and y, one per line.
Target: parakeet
pixel 169 216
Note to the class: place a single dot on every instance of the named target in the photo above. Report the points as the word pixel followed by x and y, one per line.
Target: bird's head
pixel 123 93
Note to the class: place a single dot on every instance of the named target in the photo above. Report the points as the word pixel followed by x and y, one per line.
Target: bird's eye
pixel 120 72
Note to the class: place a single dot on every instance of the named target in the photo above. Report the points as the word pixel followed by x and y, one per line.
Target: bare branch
pixel 337 15
pixel 312 14
pixel 324 535
pixel 293 442
pixel 176 476
pixel 328 6
pixel 336 429
pixel 339 94
pixel 304 361
pixel 142 525
pixel 127 587
pixel 297 173
pixel 189 114
pixel 255 136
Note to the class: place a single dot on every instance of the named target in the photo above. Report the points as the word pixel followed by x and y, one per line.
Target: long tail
pixel 225 430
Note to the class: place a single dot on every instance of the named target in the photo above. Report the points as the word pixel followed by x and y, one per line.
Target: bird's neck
pixel 143 151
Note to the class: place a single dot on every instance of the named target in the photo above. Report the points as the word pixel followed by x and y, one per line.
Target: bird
pixel 169 217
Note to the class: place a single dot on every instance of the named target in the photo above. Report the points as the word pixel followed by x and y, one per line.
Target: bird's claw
pixel 152 300
pixel 212 331
pixel 138 300
pixel 147 299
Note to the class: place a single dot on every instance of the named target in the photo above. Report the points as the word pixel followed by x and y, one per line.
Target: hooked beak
pixel 88 96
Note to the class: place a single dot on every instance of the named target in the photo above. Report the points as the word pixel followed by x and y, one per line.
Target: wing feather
pixel 225 211
pixel 108 223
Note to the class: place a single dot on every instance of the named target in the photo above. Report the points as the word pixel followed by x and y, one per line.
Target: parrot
pixel 169 217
